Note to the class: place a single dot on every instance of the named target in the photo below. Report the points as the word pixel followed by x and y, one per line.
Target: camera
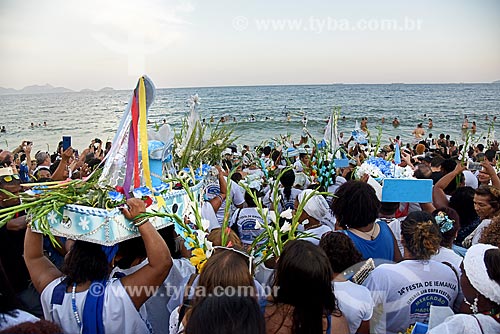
pixel 473 166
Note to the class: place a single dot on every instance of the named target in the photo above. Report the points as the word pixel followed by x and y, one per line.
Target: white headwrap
pixel 476 271
pixel 316 206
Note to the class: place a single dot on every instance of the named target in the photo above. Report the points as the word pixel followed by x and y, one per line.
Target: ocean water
pixel 96 114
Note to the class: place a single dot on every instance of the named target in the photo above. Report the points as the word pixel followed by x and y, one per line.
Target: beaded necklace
pixel 75 308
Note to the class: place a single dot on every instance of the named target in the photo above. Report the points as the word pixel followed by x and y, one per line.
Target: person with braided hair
pixel 404 292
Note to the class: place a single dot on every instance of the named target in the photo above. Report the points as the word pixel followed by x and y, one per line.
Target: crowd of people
pixel 358 265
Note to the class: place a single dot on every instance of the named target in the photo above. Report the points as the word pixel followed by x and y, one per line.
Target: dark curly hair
pixel 85 262
pixel 355 204
pixel 491 233
pixel 340 251
pixel 39 327
pixel 421 235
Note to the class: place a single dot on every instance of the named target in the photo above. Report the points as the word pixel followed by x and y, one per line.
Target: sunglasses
pixel 9 178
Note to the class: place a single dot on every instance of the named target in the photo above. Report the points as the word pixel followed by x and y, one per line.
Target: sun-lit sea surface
pixel 88 115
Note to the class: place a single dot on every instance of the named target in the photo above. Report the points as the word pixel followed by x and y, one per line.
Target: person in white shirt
pixel 481 287
pixel 403 292
pixel 448 222
pixel 487 206
pixel 314 211
pixel 114 305
pixel 215 194
pixel 302 164
pixel 132 256
pixel 355 301
pixel 247 222
pixel 286 193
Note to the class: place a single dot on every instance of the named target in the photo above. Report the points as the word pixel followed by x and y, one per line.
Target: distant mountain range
pixel 44 89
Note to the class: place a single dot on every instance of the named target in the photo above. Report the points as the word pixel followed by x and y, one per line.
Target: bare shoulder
pixel 339 324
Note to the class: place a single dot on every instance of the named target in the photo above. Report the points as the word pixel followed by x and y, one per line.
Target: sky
pixel 195 43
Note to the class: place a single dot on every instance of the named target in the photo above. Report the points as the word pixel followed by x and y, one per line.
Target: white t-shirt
pixel 355 302
pixel 288 203
pixel 316 232
pixel 395 226
pixel 246 219
pixel 298 166
pixel 403 293
pixel 467 324
pixel 156 306
pixel 448 255
pixel 237 198
pixel 119 313
pixel 479 230
pixel 19 317
pixel 208 213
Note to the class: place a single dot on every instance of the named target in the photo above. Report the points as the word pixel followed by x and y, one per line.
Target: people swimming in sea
pixel 395 122
pixel 364 125
pixel 430 125
pixel 465 123
pixel 419 132
pixel 3 129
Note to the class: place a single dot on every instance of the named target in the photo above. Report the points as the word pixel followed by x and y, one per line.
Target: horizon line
pixel 264 85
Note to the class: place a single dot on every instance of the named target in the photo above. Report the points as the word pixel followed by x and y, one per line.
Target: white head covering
pixel 476 271
pixel 470 179
pixel 316 206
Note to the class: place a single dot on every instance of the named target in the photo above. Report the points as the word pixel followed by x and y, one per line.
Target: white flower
pixel 286 227
pixel 371 170
pixel 305 222
pixel 201 235
pixel 257 226
pixel 218 142
pixel 192 218
pixel 205 223
pixel 275 236
pixel 287 214
pixel 52 217
pixel 272 216
pixel 209 247
pixel 84 223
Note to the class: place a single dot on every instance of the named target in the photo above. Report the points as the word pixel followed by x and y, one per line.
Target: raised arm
pixel 488 168
pixel 159 259
pixel 63 164
pixel 438 196
pixel 27 151
pixel 41 270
